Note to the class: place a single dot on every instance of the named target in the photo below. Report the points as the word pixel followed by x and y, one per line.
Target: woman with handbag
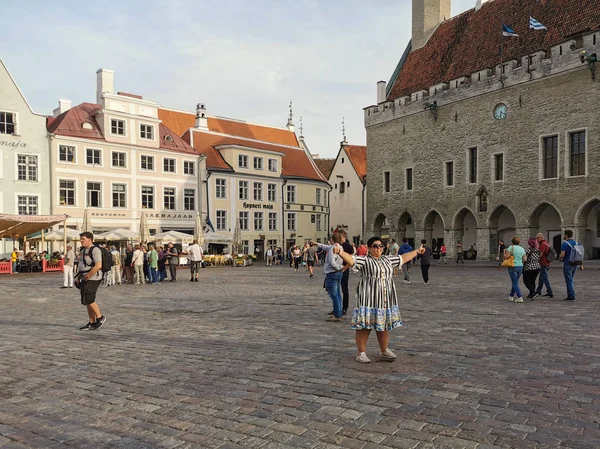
pixel 514 256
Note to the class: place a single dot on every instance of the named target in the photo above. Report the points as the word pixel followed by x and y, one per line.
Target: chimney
pixel 105 82
pixel 63 106
pixel 426 16
pixel 201 117
pixel 381 95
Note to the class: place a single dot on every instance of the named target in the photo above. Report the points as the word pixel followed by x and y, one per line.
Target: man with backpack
pixel 88 280
pixel 548 256
pixel 571 254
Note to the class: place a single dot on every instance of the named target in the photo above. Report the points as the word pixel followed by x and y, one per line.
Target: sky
pixel 243 59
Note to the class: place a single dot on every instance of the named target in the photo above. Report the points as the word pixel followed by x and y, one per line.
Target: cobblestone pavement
pixel 245 359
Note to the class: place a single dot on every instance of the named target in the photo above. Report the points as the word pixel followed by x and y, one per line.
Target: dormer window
pixel 272 164
pixel 117 127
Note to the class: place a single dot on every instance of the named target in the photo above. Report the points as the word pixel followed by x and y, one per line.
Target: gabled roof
pixel 358 157
pixel 470 42
pixel 325 166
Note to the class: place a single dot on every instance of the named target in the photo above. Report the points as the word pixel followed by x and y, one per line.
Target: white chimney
pixel 105 82
pixel 426 16
pixel 479 3
pixel 63 106
pixel 201 117
pixel 381 95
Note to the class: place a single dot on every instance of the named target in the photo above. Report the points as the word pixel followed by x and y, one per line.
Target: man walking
pixel 173 258
pixel 569 268
pixel 348 249
pixel 195 251
pixel 394 248
pixel 544 266
pixel 311 255
pixel 68 268
pixel 460 255
pixel 153 264
pixel 88 280
pixel 425 257
pixel 405 248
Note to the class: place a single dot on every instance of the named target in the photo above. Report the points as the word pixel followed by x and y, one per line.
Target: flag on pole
pixel 209 224
pixel 506 31
pixel 535 25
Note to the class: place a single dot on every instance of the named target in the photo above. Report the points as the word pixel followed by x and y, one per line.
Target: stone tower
pixel 426 16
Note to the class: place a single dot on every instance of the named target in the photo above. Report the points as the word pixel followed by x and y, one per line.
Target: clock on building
pixel 500 111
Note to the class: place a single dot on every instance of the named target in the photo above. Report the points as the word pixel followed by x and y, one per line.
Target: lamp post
pixel 591 59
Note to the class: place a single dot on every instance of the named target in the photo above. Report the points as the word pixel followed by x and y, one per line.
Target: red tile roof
pixel 358 157
pixel 470 42
pixel 325 166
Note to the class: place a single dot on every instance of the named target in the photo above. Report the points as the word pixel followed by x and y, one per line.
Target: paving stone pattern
pixel 245 359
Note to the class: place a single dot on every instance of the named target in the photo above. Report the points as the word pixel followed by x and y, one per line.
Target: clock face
pixel 500 111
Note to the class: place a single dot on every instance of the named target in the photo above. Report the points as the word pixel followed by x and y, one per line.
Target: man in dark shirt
pixel 173 258
pixel 348 249
pixel 425 261
pixel 128 264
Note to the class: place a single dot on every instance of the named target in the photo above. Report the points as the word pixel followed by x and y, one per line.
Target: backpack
pixel 576 254
pixel 552 254
pixel 107 262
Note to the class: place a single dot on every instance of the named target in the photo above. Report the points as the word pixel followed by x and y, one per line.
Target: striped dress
pixel 376 301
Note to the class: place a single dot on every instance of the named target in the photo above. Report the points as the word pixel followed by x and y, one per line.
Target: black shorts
pixel 310 263
pixel 88 291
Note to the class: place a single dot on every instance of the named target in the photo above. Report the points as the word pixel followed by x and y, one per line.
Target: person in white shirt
pixel 68 268
pixel 116 265
pixel 195 252
pixel 269 257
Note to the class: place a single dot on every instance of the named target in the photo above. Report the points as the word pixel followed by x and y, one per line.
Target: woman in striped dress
pixel 377 304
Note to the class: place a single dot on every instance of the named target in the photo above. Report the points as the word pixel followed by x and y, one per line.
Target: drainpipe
pixel 283 248
pixel 208 173
pixel 362 224
pixel 51 174
pixel 328 211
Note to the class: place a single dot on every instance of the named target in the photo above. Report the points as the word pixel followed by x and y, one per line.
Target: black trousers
pixel 529 278
pixel 345 293
pixel 173 270
pixel 425 272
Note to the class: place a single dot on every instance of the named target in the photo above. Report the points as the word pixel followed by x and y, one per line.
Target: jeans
pixel 333 286
pixel 153 275
pixel 425 272
pixel 544 281
pixel 515 274
pixel 569 272
pixel 14 267
pixel 345 293
pixel 406 271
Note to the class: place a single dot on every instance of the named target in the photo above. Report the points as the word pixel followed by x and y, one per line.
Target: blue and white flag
pixel 506 31
pixel 209 224
pixel 535 25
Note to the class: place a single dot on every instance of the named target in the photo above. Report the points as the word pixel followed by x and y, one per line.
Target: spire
pixel 301 128
pixel 344 142
pixel 290 123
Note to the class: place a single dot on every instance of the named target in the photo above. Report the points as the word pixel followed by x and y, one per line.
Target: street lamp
pixel 591 59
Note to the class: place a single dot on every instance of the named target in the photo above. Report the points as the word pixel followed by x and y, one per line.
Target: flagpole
pixel 502 54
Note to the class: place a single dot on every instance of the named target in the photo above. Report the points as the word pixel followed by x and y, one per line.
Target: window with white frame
pixel 272 221
pixel 119 195
pixel 291 221
pixel 221 188
pixel 577 154
pixel 258 191
pixel 318 197
pixel 66 153
pixel 318 222
pixel 147 132
pixel 147 162
pixel 147 197
pixel 66 192
pixel 258 221
pixel 272 193
pixel 258 163
pixel 272 164
pixel 221 220
pixel 94 194
pixel 242 161
pixel 27 204
pixel 169 165
pixel 117 127
pixel 27 167
pixel 189 199
pixel 243 190
pixel 119 159
pixel 8 125
pixel 169 198
pixel 93 157
pixel 291 194
pixel 243 220
pixel 188 168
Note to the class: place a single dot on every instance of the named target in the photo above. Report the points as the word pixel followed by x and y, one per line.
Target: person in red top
pixel 544 267
pixel 362 249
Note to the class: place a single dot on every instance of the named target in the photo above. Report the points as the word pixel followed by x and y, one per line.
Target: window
pixel 473 165
pixel 117 127
pixel 342 160
pixel 577 154
pixel 27 168
pixel 449 174
pixel 386 182
pixel 242 190
pixel 93 157
pixel 242 161
pixel 342 187
pixel 27 205
pixel 169 198
pixel 272 164
pixel 291 221
pixel 258 193
pixel 118 159
pixel 409 179
pixel 169 165
pixel 483 202
pixel 313 218
pixel 258 221
pixel 189 199
pixel 550 157
pixel 119 195
pixel 7 126
pixel 318 222
pixel 318 196
pixel 272 221
pixel 147 197
pixel 147 132
pixel 66 153
pixel 221 188
pixel 243 220
pixel 222 220
pixel 258 163
pixel 94 194
pixel 291 194
pixel 272 192
pixel 147 162
pixel 498 167
pixel 188 168
pixel 66 193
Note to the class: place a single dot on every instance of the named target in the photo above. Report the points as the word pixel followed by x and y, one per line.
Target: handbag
pixel 509 262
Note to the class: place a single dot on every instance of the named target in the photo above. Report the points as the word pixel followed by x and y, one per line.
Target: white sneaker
pixel 519 300
pixel 511 299
pixel 388 355
pixel 362 358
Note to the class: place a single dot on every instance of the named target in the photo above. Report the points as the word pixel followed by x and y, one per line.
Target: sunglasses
pixel 376 246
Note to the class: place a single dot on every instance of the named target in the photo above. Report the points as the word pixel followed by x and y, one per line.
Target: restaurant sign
pixel 163 215
pixel 257 206
pixel 17 144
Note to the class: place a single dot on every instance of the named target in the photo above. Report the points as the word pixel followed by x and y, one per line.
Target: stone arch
pixel 433 227
pixel 406 228
pixel 465 228
pixel 583 213
pixel 502 226
pixel 546 219
pixel 381 227
pixel 587 222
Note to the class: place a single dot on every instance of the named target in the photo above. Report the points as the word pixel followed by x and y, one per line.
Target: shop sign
pixel 107 214
pixel 257 206
pixel 167 215
pixel 17 144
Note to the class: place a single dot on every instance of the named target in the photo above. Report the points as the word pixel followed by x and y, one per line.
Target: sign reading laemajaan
pixel 16 144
